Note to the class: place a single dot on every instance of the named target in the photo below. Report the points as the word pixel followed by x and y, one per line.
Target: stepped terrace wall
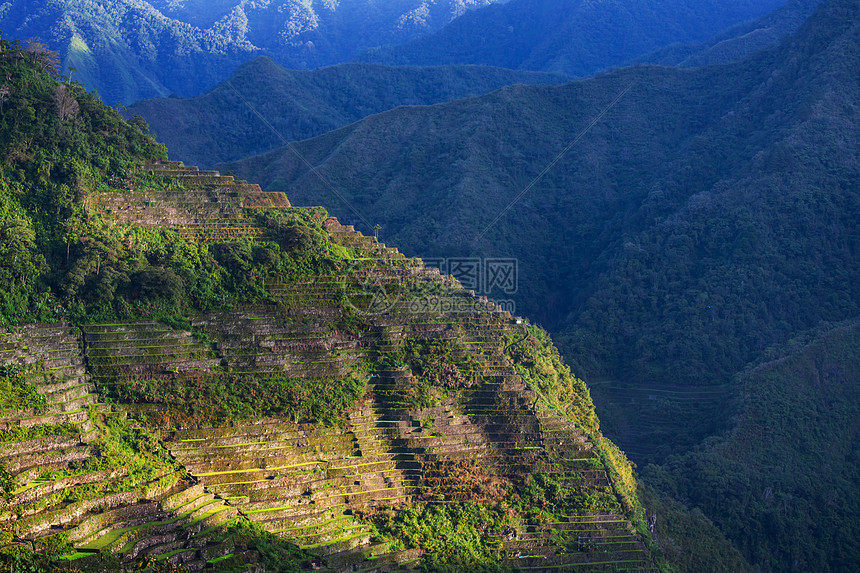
pixel 73 492
pixel 195 203
pixel 311 483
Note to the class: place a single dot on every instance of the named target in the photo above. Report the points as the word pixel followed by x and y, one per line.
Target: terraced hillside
pixel 327 412
pixel 74 490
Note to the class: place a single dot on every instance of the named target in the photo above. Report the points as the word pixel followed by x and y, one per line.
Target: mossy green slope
pixel 315 413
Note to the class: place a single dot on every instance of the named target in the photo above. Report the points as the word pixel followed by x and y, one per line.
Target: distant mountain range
pixel 133 49
pixel 219 126
pixel 128 50
pixel 573 37
pixel 737 41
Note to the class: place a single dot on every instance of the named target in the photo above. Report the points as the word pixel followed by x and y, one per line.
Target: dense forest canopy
pixel 58 143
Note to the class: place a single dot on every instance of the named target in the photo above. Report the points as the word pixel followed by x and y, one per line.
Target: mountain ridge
pixel 575 38
pixel 218 126
pixel 740 40
pixel 709 216
pixel 129 49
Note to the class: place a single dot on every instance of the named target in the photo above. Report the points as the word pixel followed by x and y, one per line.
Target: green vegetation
pixel 135 452
pixel 453 537
pixel 22 434
pixel 270 551
pixel 57 143
pixel 274 553
pixel 437 365
pixel 465 532
pixel 7 485
pixel 164 274
pixel 547 498
pixel 15 393
pixel 791 462
pixel 303 243
pixel 130 458
pixel 26 561
pixel 434 366
pixel 224 397
pixel 60 257
pixel 433 361
pixel 541 366
pixel 537 360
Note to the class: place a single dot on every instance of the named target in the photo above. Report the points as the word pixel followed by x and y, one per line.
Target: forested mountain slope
pixel 783 483
pixel 220 126
pixel 577 38
pixel 709 215
pixel 132 49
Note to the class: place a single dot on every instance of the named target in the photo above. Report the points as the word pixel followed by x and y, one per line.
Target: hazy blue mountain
pixel 132 49
pixel 738 41
pixel 574 37
pixel 219 126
